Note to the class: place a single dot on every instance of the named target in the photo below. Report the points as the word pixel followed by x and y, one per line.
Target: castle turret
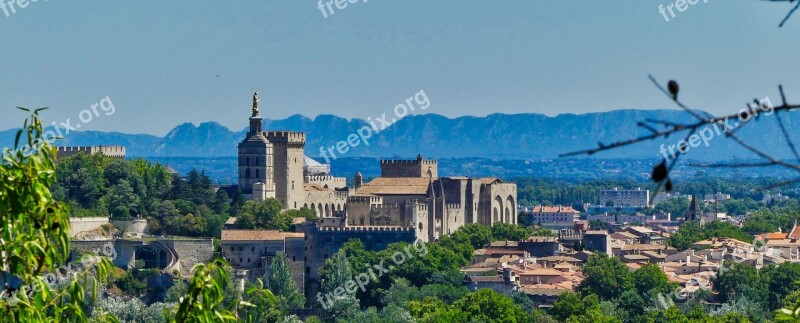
pixel 358 180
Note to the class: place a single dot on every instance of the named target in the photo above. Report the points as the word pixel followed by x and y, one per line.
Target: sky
pixel 163 63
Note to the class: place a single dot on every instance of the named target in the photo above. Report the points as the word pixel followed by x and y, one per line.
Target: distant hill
pixel 497 136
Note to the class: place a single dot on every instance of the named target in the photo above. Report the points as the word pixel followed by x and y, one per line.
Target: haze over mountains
pixel 501 136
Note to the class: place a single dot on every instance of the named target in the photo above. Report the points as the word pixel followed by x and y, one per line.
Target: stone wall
pixel 138 226
pixel 78 225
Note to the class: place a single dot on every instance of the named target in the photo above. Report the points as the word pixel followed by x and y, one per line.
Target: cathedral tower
pixel 256 160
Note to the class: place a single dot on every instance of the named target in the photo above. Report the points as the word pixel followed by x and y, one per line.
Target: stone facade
pixel 409 193
pixel 112 151
pixel 253 251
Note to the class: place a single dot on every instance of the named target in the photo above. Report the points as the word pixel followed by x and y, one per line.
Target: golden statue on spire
pixel 255 103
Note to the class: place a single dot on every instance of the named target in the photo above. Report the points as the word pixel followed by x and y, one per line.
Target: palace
pixel 408 194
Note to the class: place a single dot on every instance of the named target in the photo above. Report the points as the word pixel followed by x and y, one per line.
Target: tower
pixel 288 160
pixel 695 213
pixel 256 159
pixel 358 180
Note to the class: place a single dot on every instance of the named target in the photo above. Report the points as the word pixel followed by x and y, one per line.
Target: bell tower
pixel 256 160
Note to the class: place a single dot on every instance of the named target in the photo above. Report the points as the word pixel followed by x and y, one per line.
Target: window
pixel 240 260
pixel 253 249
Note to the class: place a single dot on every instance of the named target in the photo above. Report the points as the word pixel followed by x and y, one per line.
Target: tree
pixel 335 275
pixel 782 282
pixel 488 305
pixel 35 236
pixel 263 215
pixel 122 200
pixel 735 277
pixel 606 277
pixel 282 284
pixel 205 297
pixel 650 278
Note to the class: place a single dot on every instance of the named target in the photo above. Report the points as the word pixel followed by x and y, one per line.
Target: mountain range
pixel 497 136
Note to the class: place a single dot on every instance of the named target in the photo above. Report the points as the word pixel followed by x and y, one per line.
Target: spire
pixel 419 157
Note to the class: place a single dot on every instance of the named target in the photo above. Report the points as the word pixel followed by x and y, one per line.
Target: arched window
pixel 247 161
pixel 257 170
pixel 247 173
pixel 256 161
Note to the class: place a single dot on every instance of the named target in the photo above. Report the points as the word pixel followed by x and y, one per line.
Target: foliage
pixel 34 237
pixel 488 305
pixel 282 284
pixel 691 232
pixel 134 310
pixel 204 298
pixel 263 215
pixel 606 277
pixel 259 305
pixel 135 281
pixel 335 274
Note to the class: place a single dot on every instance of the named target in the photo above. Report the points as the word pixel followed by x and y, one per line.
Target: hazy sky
pixel 163 63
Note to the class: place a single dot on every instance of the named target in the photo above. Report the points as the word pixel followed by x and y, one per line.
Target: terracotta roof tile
pixel 396 186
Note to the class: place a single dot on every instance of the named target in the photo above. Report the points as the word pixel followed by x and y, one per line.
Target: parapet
pixel 368 229
pixel 365 200
pixel 408 162
pixel 289 137
pixel 111 151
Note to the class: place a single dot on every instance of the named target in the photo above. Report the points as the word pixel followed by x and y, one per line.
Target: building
pixel 717 197
pixel 555 217
pixel 251 252
pixel 408 194
pixel 695 212
pixel 625 198
pixel 619 218
pixel 111 151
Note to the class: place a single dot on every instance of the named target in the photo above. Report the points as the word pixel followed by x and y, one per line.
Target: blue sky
pixel 167 62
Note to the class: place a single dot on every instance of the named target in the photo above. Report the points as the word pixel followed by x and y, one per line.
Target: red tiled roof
pixel 396 186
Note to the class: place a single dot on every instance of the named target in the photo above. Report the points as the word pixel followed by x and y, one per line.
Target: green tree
pixel 35 236
pixel 263 215
pixel 488 305
pixel 335 275
pixel 606 277
pixel 282 284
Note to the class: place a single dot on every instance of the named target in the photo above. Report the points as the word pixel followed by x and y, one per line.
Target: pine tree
pixel 282 285
pixel 335 274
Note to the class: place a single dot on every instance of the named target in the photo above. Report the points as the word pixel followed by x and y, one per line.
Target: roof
pixel 490 180
pixel 624 235
pixel 487 279
pixel 543 291
pixel 776 236
pixel 258 235
pixel 396 186
pixel 313 187
pixel 554 209
pixel 231 220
